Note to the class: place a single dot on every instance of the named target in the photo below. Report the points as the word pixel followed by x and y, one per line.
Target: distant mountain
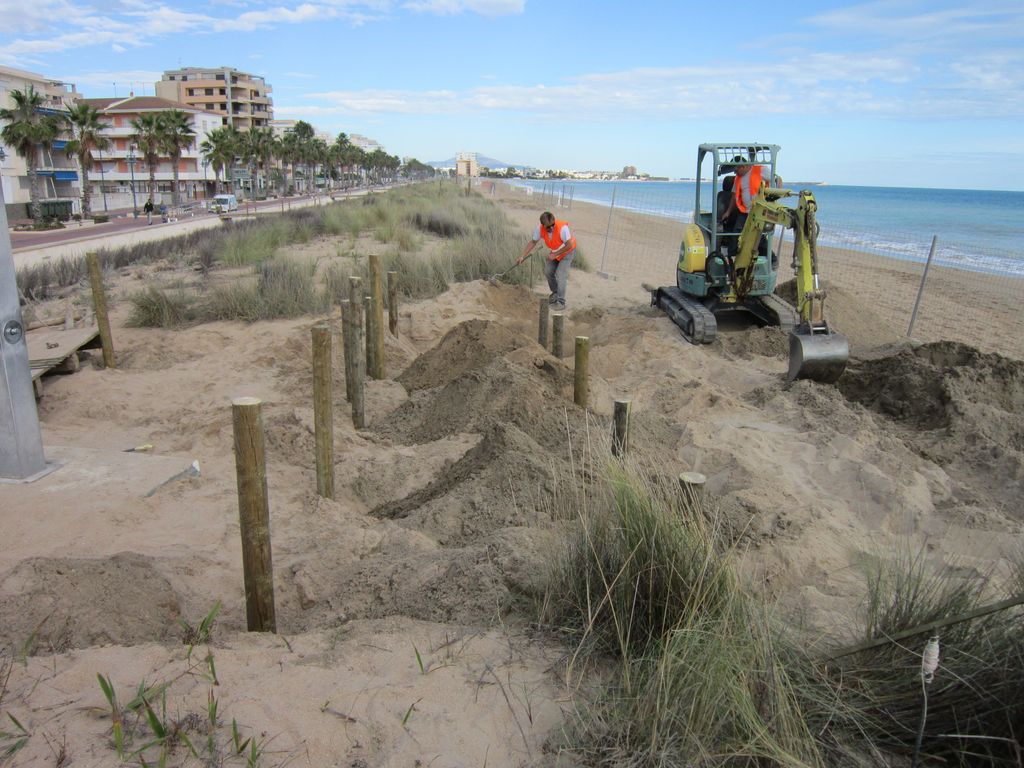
pixel 481 160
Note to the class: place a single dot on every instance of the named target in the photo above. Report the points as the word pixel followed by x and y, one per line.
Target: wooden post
pixel 542 328
pixel 620 427
pixel 393 303
pixel 581 377
pixel 358 362
pixel 323 414
pixel 254 514
pixel 557 333
pixel 69 316
pixel 99 300
pixel 346 346
pixel 371 348
pixel 376 339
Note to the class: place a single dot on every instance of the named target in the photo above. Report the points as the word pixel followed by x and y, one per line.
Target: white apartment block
pixel 58 175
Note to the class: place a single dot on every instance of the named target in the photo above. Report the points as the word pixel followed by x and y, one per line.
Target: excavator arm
pixel 815 351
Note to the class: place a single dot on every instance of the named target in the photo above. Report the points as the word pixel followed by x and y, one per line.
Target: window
pixel 219 77
pixel 190 91
pixel 209 92
pixel 223 92
pixel 209 106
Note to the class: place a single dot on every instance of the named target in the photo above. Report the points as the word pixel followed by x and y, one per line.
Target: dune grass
pixel 649 592
pixel 681 663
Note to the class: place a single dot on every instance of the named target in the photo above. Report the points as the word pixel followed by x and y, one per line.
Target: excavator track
pixel 786 316
pixel 696 322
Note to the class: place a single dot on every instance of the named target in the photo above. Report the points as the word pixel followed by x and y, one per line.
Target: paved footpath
pixel 32 248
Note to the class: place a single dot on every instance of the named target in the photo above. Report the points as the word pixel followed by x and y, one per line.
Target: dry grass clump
pixel 647 587
pixel 975 705
pixel 695 670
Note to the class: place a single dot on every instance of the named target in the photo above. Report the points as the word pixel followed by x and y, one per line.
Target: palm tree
pixel 148 137
pixel 175 135
pixel 27 129
pixel 220 148
pixel 87 130
pixel 290 153
pixel 258 149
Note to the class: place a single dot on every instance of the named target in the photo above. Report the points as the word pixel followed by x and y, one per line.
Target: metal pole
pixel 607 230
pixel 920 290
pixel 21 442
pixel 103 182
pixel 131 166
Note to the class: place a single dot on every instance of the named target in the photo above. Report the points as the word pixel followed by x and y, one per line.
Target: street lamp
pixel 103 182
pixel 131 166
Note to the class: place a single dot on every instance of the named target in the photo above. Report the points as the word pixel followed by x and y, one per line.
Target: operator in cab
pixel 745 187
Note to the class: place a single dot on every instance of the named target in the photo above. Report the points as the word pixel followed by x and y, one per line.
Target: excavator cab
pixel 728 263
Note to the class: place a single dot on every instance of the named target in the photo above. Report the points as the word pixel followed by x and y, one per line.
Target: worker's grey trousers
pixel 557 273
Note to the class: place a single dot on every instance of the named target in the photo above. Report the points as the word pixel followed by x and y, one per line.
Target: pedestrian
pixel 562 249
pixel 148 208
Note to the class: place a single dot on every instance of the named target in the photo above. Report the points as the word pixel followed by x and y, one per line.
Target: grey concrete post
pixel 21 442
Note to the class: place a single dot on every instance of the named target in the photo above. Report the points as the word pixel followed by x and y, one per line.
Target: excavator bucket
pixel 819 355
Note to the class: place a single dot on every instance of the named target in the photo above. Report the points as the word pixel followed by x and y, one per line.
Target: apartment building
pixel 58 175
pixel 119 177
pixel 241 99
pixel 466 164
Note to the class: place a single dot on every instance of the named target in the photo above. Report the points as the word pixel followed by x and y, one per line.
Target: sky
pixel 909 93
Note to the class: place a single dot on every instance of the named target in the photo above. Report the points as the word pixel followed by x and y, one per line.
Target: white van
pixel 223 203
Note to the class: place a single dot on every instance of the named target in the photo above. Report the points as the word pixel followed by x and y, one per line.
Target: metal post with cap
pixel 21 442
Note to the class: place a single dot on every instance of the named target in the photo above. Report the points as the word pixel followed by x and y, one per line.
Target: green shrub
pixel 696 680
pixel 161 308
pixel 282 288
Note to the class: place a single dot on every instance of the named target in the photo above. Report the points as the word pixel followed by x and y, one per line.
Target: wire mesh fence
pixel 969 292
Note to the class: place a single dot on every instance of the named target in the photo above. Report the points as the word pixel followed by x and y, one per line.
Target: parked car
pixel 224 203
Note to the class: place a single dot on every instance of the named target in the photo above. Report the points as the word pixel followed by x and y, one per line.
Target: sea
pixel 977 230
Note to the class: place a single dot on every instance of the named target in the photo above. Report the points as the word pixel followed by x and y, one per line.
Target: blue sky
pixel 892 92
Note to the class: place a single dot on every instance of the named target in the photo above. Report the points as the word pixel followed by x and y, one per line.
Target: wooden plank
pixel 48 346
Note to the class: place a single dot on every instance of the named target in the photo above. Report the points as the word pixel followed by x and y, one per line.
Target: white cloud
pixel 104 79
pixel 883 86
pixel 452 7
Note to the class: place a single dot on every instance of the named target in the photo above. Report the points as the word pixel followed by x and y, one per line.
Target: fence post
pixel 581 377
pixel 542 329
pixel 607 231
pixel 377 340
pixel 557 331
pixel 254 514
pixel 920 290
pixel 346 346
pixel 620 427
pixel 355 313
pixel 99 300
pixel 323 416
pixel 393 303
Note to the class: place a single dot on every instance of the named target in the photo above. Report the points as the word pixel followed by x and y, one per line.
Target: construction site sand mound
pixel 851 316
pixel 51 605
pixel 956 406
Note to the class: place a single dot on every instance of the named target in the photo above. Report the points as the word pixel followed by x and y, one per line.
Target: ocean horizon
pixel 977 230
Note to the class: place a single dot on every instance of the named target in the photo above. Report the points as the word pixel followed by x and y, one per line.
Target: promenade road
pixel 32 248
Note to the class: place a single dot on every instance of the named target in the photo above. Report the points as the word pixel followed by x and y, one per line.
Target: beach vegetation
pixel 679 662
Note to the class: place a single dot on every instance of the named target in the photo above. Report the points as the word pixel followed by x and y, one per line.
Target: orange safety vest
pixel 753 178
pixel 554 240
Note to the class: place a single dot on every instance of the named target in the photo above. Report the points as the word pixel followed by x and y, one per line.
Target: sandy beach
pixel 405 629
pixel 970 307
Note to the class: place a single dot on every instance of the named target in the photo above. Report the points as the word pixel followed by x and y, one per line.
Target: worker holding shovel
pixel 558 238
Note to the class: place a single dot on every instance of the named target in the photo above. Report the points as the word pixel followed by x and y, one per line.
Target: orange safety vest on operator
pixel 554 240
pixel 753 178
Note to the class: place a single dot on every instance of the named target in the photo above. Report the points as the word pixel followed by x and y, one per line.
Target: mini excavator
pixel 721 269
